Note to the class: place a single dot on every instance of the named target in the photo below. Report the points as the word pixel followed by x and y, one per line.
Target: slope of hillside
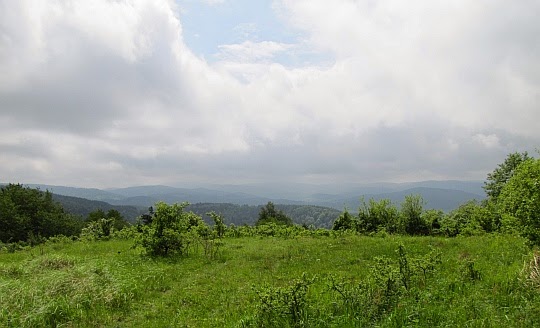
pixel 318 216
pixel 87 193
pixel 82 207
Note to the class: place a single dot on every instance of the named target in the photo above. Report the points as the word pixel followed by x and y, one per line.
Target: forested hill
pixel 445 195
pixel 82 207
pixel 318 216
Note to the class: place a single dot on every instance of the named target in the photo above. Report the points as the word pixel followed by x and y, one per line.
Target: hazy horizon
pixel 291 188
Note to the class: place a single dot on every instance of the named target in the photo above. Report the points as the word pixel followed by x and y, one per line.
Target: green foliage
pixel 219 224
pixel 411 214
pixel 470 272
pixel 471 218
pixel 169 231
pixel 118 220
pixel 345 222
pixel 282 306
pixel 376 215
pixel 317 216
pixel 98 229
pixel 389 281
pixel 25 211
pixel 269 214
pixel 433 219
pixel 520 198
pixel 107 284
pixel 209 238
pixel 497 179
pixel 531 271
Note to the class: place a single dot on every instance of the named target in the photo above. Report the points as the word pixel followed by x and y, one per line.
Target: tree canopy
pixel 520 198
pixel 499 177
pixel 27 212
pixel 269 214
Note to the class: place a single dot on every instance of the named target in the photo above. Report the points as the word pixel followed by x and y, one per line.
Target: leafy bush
pixel 344 222
pixel 471 218
pixel 433 219
pixel 411 214
pixel 520 198
pixel 497 179
pixel 117 220
pixel 373 216
pixel 169 230
pixel 97 230
pixel 219 224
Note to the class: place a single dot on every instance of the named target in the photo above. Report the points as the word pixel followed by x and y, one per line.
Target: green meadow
pixel 305 280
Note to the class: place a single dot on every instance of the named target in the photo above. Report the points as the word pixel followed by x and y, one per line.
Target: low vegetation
pixel 340 280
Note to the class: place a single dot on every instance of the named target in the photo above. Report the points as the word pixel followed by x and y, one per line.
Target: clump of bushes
pixel 168 230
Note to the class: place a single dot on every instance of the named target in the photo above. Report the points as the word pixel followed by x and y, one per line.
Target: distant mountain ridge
pixel 445 195
pixel 435 198
pixel 312 205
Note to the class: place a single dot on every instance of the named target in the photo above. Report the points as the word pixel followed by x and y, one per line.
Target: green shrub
pixel 469 219
pixel 97 230
pixel 282 306
pixel 520 198
pixel 344 222
pixel 413 222
pixel 169 231
pixel 374 215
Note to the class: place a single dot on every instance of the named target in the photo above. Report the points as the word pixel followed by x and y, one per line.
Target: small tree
pixel 500 176
pixel 269 214
pixel 411 213
pixel 219 225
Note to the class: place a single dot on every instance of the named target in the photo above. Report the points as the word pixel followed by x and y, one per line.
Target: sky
pixel 116 93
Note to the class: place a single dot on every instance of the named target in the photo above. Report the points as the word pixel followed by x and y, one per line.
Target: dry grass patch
pixel 531 271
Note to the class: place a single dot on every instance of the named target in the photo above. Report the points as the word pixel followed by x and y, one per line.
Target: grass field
pixel 344 281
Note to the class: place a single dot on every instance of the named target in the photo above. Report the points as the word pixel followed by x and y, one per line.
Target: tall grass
pixel 482 281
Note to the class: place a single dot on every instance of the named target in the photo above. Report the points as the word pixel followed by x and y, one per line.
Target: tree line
pixel 512 206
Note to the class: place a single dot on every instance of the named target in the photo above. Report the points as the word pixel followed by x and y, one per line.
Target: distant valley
pixel 241 203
